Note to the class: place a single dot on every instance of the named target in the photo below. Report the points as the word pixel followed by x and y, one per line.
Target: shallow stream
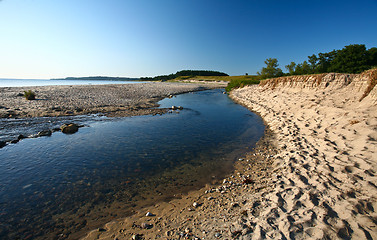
pixel 62 186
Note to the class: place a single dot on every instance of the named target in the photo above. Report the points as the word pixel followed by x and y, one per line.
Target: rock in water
pixel 20 137
pixel 69 128
pixel 45 133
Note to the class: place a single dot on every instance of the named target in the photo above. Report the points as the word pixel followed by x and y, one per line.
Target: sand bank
pixel 113 100
pixel 314 176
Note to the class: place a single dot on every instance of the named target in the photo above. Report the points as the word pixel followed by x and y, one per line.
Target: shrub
pixel 237 83
pixel 29 95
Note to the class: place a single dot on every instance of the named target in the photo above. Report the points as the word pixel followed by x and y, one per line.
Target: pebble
pixel 235 205
pixel 149 214
pixel 195 204
pixel 146 226
pixel 136 237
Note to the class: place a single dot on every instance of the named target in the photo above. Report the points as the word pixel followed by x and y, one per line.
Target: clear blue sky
pixel 51 38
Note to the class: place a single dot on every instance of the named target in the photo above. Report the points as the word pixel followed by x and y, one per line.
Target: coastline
pixel 313 177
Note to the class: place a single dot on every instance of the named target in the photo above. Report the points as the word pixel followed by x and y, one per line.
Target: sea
pixel 51 82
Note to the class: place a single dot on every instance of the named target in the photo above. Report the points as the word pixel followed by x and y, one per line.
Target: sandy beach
pixel 313 176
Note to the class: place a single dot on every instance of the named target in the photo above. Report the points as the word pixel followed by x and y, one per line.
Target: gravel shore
pixel 113 100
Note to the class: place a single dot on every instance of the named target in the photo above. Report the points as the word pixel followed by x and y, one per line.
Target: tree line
pixel 354 58
pixel 186 73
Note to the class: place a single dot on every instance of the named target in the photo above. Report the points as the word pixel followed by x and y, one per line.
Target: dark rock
pixel 69 128
pixel 44 133
pixel 14 141
pixel 21 137
pixel 56 129
pixel 2 144
pixel 247 181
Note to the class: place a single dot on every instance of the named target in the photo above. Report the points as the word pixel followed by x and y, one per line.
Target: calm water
pixel 62 186
pixel 47 82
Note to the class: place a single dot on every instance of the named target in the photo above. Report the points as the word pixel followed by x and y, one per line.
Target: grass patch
pixel 239 83
pixel 214 78
pixel 233 81
pixel 29 95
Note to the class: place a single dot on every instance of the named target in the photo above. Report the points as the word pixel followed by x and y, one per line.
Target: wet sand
pixel 314 175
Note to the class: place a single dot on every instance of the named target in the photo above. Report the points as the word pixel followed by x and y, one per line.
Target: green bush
pixel 29 95
pixel 237 83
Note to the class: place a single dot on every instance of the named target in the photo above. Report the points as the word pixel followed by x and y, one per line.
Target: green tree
pixel 271 70
pixel 324 61
pixel 351 59
pixel 291 68
pixel 303 68
pixel 313 60
pixel 372 52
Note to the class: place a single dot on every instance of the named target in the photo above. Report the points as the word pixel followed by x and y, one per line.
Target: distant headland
pixel 99 78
